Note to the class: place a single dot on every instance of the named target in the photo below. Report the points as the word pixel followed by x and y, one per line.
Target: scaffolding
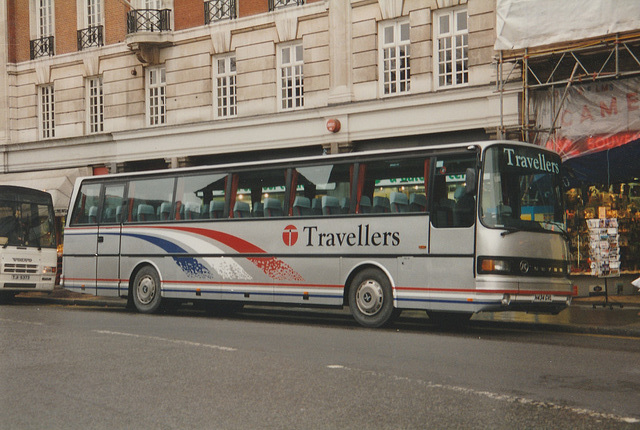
pixel 558 67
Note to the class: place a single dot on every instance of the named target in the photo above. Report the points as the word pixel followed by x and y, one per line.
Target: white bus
pixel 27 241
pixel 450 229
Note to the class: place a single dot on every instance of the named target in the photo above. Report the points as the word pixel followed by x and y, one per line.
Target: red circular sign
pixel 290 235
pixel 333 125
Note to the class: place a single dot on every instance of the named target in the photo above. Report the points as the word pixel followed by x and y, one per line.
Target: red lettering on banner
pixel 632 101
pixel 612 109
pixel 586 115
pixel 565 114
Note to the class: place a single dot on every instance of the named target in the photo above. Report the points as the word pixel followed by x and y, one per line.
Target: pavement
pixel 617 315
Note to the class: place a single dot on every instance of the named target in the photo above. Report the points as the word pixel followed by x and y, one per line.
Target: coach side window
pixel 145 198
pixel 321 190
pixel 393 186
pixel 200 196
pixel 85 209
pixel 259 193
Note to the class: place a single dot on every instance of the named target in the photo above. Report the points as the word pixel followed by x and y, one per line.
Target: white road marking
pixel 162 339
pixel 495 396
pixel 20 321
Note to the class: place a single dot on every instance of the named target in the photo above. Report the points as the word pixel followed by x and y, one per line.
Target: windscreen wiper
pixel 509 230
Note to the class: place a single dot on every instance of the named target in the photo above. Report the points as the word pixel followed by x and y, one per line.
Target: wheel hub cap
pixel 369 297
pixel 146 290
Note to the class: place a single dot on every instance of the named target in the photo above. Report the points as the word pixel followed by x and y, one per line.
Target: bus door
pixel 108 240
pixel 453 214
pixel 80 246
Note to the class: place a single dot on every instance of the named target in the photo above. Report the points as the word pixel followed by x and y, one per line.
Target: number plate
pixel 21 277
pixel 542 298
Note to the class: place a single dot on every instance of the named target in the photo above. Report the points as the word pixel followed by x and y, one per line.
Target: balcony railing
pixel 279 4
pixel 217 10
pixel 148 20
pixel 41 47
pixel 89 37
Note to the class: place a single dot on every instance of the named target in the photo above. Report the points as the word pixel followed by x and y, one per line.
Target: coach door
pixel 80 247
pixel 453 213
pixel 108 240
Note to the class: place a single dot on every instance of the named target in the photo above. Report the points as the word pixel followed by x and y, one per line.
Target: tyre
pixel 371 298
pixel 146 290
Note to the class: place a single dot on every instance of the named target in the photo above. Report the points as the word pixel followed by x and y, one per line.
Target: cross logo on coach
pixel 290 235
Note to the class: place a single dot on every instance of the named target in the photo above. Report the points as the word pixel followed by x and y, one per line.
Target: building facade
pixel 125 85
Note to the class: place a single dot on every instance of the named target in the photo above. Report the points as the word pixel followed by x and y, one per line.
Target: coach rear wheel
pixel 371 298
pixel 146 290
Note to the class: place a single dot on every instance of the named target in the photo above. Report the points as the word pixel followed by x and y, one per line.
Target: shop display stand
pixel 605 253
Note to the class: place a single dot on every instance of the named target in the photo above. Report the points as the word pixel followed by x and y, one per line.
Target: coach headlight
pixel 487 265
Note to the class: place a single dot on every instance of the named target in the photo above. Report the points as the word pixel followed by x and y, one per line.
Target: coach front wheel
pixel 371 298
pixel 146 290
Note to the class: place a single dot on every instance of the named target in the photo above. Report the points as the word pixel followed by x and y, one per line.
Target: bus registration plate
pixel 542 298
pixel 21 277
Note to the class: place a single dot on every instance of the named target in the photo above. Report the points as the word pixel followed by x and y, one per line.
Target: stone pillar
pixel 341 81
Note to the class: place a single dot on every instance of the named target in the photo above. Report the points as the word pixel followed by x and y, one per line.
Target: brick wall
pixel 65 27
pixel 11 32
pixel 18 17
pixel 252 7
pixel 115 21
pixel 188 13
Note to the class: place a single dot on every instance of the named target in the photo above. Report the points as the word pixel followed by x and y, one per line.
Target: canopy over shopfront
pixel 58 183
pixel 611 166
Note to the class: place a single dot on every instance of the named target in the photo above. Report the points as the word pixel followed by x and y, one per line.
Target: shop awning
pixel 615 165
pixel 58 183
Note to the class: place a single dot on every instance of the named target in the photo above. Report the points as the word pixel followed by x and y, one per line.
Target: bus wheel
pixel 371 298
pixel 146 290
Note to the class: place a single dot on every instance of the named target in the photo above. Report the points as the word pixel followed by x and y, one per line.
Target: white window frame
pixel 290 76
pixel 44 18
pixel 456 41
pixel 46 111
pixel 152 4
pixel 156 99
pixel 394 57
pixel 93 13
pixel 225 94
pixel 95 104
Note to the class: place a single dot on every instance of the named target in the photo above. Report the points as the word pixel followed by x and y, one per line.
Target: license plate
pixel 542 298
pixel 21 277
